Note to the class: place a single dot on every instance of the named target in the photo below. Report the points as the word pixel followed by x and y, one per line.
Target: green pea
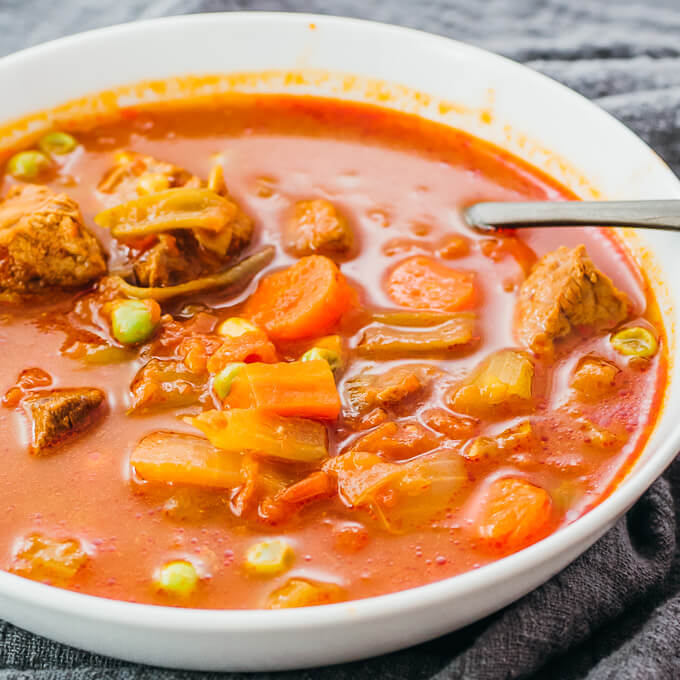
pixel 57 142
pixel 323 354
pixel 28 165
pixel 178 578
pixel 223 380
pixel 635 342
pixel 134 321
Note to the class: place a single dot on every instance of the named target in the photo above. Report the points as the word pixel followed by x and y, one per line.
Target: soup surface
pixel 376 399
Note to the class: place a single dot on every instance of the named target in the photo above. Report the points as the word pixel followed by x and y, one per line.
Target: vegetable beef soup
pixel 253 357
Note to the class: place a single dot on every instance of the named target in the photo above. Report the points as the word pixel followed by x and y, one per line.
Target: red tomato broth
pixel 395 177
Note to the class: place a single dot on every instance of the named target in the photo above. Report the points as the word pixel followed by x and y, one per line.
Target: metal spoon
pixel 522 215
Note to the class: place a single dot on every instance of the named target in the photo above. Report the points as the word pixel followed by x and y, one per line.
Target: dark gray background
pixel 615 612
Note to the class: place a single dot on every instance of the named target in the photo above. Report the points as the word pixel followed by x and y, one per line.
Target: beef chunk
pixel 385 390
pixel 564 290
pixel 44 243
pixel 178 255
pixel 174 258
pixel 58 414
pixel 318 227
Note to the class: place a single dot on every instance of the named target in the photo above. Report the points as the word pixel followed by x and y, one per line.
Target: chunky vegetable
pixel 235 327
pixel 397 440
pixel 179 458
pixel 513 513
pixel 163 384
pixel 179 208
pixel 28 165
pixel 503 383
pixel 178 578
pixel 237 275
pixel 47 559
pixel 304 300
pixel 417 318
pixel 320 354
pixel 424 283
pixel 248 345
pixel 594 378
pixel 269 558
pixel 516 440
pixel 298 592
pixel 380 342
pixel 635 341
pixel 299 388
pixel 223 381
pixel 268 434
pixel 57 143
pixel 400 494
pixel 134 321
pixel 450 424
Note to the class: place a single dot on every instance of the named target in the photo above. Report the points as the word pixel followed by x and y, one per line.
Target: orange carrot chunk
pixel 424 283
pixel 513 514
pixel 299 388
pixel 302 301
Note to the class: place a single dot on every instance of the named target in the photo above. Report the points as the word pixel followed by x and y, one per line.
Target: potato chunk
pixel 501 385
pixel 46 559
pixel 297 592
pixel 513 513
pixel 163 384
pixel 318 227
pixel 515 440
pixel 594 378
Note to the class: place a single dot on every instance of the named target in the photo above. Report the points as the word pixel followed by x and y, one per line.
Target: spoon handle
pixel 521 215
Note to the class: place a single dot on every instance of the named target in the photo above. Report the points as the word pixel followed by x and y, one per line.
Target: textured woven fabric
pixel 615 612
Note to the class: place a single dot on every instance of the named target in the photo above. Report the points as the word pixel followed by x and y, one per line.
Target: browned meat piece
pixel 386 390
pixel 564 290
pixel 179 255
pixel 318 227
pixel 135 174
pixel 59 414
pixel 44 243
pixel 46 559
pixel 175 258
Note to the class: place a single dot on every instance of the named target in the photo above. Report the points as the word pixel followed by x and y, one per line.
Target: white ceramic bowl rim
pixel 170 618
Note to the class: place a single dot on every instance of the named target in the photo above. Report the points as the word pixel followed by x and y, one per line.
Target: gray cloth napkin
pixel 615 612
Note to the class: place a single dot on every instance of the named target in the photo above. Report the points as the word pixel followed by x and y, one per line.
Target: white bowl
pixel 537 119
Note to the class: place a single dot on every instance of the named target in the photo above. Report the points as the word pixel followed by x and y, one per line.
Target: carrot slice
pixel 302 301
pixel 299 388
pixel 513 514
pixel 314 485
pixel 176 457
pixel 424 283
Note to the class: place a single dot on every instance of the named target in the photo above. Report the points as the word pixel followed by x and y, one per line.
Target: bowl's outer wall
pixel 540 121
